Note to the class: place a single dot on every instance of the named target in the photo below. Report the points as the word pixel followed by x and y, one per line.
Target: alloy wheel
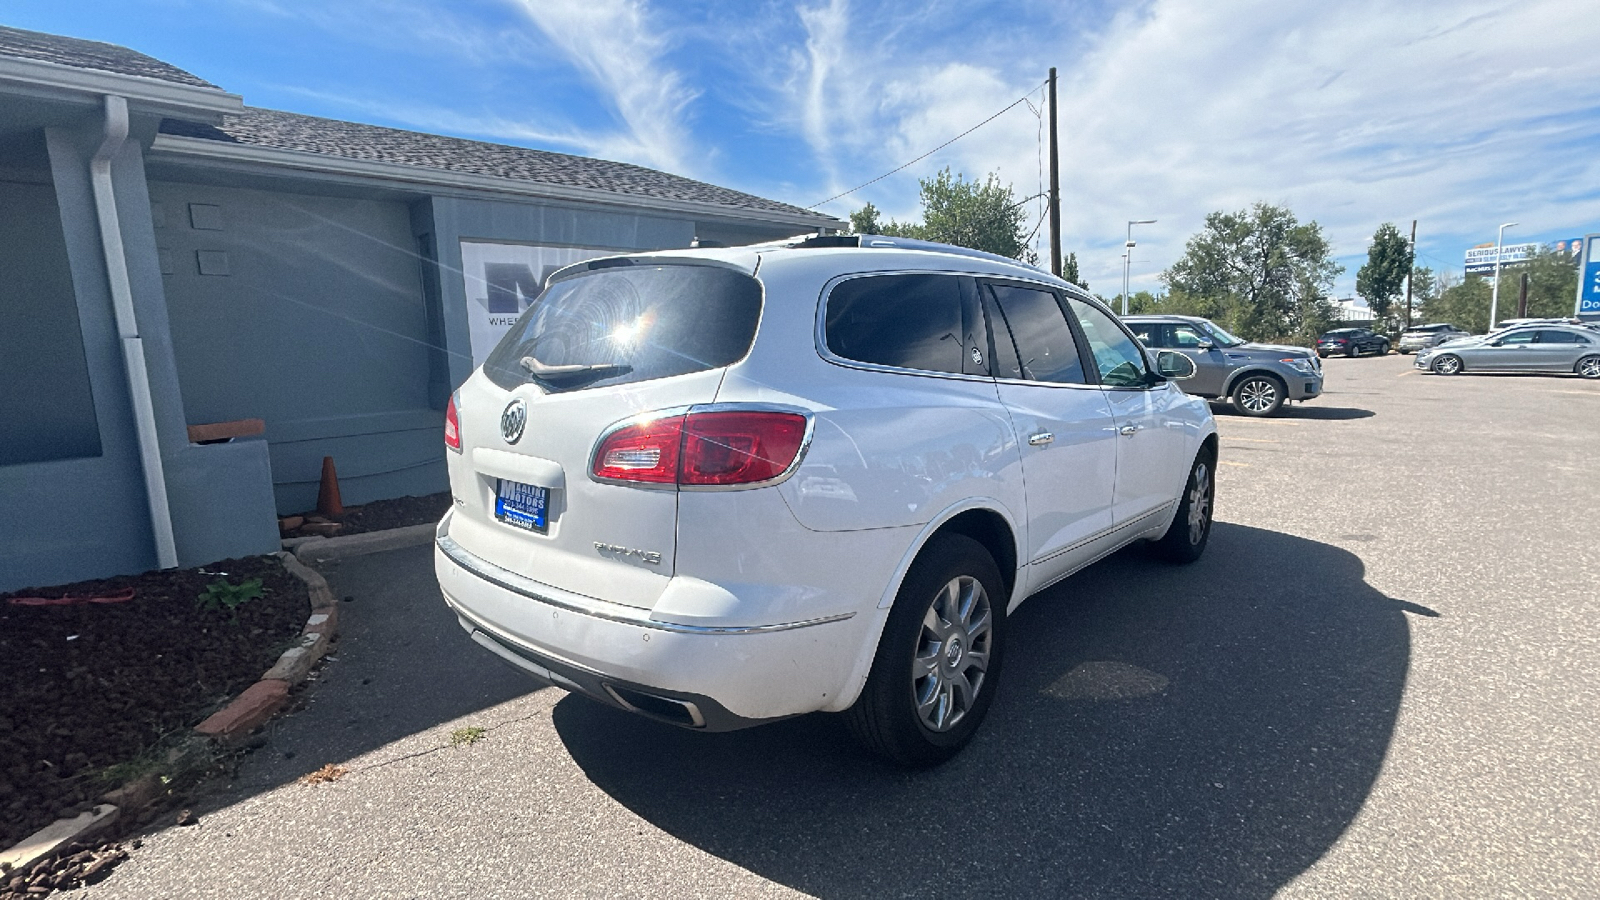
pixel 1589 367
pixel 1258 395
pixel 952 658
pixel 1199 502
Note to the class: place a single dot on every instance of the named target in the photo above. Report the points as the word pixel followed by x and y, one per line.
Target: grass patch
pixel 469 735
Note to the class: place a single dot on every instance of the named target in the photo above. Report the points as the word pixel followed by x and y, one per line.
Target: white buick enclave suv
pixel 719 487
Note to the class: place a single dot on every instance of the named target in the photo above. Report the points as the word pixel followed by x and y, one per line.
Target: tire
pixel 1354 351
pixel 1383 349
pixel 936 669
pixel 1259 395
pixel 1588 367
pixel 1186 537
pixel 1322 354
pixel 1446 364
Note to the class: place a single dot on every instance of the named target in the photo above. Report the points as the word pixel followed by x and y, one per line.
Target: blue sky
pixel 1462 115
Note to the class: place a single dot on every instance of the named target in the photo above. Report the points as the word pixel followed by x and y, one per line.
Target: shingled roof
pixel 350 140
pixel 82 54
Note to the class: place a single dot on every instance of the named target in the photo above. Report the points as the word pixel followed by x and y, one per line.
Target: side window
pixel 906 321
pixel 1186 337
pixel 1519 337
pixel 1557 337
pixel 1117 357
pixel 1042 348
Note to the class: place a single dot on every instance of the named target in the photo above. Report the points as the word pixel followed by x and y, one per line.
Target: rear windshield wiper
pixel 573 372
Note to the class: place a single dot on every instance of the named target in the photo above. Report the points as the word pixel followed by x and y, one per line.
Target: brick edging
pixel 254 706
pixel 258 702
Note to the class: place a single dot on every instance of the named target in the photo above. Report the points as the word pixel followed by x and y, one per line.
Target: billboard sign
pixel 1589 281
pixel 502 279
pixel 1480 259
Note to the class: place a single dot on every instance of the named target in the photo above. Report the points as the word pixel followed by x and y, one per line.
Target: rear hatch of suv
pixel 609 343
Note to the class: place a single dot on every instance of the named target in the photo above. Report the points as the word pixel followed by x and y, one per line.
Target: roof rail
pixel 895 243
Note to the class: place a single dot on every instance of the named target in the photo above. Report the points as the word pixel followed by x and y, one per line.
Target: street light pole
pixel 1127 259
pixel 1494 297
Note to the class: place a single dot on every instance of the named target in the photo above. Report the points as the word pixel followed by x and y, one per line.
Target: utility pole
pixel 1522 301
pixel 1055 185
pixel 1411 252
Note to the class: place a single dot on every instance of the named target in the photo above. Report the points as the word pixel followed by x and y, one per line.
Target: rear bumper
pixel 716 678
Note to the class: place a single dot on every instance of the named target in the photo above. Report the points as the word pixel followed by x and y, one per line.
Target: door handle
pixel 1129 430
pixel 1040 439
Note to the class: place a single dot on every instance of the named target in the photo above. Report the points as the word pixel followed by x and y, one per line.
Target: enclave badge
pixel 513 420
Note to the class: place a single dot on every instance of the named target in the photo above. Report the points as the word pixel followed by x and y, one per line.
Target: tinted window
pixel 1041 345
pixel 1519 337
pixel 1557 337
pixel 1117 357
pixel 906 321
pixel 629 323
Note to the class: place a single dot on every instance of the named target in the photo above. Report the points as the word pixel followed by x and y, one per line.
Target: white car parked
pixel 723 487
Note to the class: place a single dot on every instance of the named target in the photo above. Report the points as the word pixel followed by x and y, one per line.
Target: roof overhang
pixel 54 81
pixel 271 160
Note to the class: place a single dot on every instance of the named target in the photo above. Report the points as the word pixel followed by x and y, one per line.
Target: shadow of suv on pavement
pixel 1208 730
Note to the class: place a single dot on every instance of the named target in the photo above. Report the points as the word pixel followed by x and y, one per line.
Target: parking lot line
pixel 1254 440
pixel 1406 372
pixel 1580 393
pixel 1229 462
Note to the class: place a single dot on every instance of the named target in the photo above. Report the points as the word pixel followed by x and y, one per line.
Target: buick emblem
pixel 513 420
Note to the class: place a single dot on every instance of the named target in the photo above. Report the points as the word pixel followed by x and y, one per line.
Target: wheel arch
pixel 983 519
pixel 1241 374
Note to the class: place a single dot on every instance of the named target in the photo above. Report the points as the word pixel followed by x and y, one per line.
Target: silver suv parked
pixel 1421 337
pixel 1257 378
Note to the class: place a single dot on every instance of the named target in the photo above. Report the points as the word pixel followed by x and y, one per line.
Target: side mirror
pixel 1174 365
pixel 1206 345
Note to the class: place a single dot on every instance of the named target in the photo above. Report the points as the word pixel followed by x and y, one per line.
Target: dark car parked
pixel 1351 342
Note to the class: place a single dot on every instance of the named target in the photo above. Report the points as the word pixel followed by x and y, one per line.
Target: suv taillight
pixel 452 426
pixel 714 448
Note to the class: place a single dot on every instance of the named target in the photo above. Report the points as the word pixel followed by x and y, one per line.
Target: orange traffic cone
pixel 328 502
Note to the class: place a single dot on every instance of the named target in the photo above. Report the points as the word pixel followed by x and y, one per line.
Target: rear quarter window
pixel 629 323
pixel 910 321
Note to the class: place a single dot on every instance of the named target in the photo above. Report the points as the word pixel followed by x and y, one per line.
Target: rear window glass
pixel 629 323
pixel 905 321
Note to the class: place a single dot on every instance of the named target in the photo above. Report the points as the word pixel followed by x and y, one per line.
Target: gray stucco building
pixel 170 257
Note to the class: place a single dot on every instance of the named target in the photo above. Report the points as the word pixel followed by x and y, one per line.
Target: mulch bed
pixel 91 689
pixel 378 515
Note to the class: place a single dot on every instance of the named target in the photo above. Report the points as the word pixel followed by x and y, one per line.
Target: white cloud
pixel 1351 114
pixel 1462 115
pixel 617 46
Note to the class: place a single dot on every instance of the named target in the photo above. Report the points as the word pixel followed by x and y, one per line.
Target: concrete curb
pixel 255 705
pixel 336 548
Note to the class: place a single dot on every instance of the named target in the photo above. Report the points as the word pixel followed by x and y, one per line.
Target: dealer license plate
pixel 522 505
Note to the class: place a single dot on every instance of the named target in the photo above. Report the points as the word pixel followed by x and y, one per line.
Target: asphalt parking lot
pixel 1381 680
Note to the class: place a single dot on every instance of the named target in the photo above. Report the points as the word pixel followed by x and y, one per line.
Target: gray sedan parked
pixel 1258 378
pixel 1541 348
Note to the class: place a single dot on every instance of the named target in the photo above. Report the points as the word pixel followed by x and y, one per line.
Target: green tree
pixel 1425 287
pixel 1465 305
pixel 983 215
pixel 1069 271
pixel 1552 285
pixel 1259 273
pixel 1383 278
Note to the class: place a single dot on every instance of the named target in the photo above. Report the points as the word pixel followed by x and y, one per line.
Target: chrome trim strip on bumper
pixel 599 609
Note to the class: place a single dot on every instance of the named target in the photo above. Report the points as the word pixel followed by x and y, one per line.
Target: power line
pixel 1011 106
